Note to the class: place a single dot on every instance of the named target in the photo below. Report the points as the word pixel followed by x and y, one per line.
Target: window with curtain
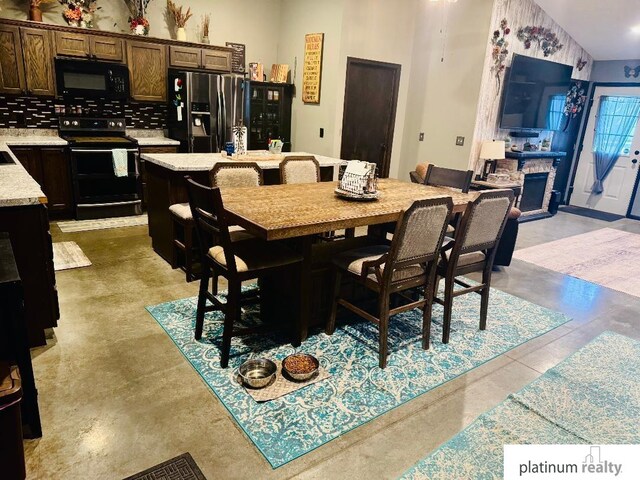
pixel 615 127
pixel 556 112
pixel 616 124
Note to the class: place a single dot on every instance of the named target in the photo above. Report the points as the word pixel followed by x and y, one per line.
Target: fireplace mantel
pixel 522 157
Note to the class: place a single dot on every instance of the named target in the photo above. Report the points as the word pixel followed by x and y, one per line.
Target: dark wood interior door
pixel 371 97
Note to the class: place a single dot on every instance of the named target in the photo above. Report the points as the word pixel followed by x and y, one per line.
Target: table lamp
pixel 491 152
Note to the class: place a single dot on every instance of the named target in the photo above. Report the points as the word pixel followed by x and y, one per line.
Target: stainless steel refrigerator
pixel 203 109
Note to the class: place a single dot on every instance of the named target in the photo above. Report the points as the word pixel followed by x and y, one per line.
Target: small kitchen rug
pixel 182 467
pixel 102 224
pixel 606 257
pixel 590 398
pixel 358 391
pixel 68 255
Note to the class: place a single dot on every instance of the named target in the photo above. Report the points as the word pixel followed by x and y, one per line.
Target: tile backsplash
pixel 40 112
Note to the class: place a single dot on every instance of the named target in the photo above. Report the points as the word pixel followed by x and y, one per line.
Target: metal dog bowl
pixel 301 377
pixel 257 372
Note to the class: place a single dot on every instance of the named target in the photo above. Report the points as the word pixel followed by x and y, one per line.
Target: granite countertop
pixel 17 187
pixel 205 161
pixel 151 138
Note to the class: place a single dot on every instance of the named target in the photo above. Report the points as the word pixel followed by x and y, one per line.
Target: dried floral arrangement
pixel 544 37
pixel 79 13
pixel 181 18
pixel 37 3
pixel 574 103
pixel 500 50
pixel 138 8
pixel 206 21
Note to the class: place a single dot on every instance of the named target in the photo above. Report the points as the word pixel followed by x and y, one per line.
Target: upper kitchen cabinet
pixel 38 61
pixel 73 44
pixel 11 66
pixel 147 71
pixel 96 47
pixel 107 48
pixel 217 60
pixel 199 58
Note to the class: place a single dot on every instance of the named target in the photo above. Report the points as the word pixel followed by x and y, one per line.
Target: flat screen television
pixel 534 94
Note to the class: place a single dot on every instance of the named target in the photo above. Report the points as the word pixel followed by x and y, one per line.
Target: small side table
pixel 483 185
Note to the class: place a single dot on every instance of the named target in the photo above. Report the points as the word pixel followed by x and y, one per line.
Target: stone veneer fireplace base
pixel 522 164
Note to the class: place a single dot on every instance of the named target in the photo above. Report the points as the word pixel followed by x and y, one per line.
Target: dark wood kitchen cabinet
pixel 50 167
pixel 148 71
pixel 11 66
pixel 37 55
pixel 97 47
pixel 199 58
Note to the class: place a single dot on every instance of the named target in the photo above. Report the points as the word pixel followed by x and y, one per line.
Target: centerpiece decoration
pixel 35 13
pixel 180 18
pixel 138 22
pixel 79 13
pixel 544 37
pixel 500 51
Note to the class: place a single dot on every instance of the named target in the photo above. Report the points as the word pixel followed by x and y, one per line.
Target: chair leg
pixel 448 304
pixel 231 315
pixel 331 323
pixel 174 248
pixel 214 284
pixel 202 301
pixel 484 298
pixel 426 315
pixel 188 251
pixel 384 329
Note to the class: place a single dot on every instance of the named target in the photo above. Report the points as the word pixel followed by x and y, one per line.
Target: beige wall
pixel 112 16
pixel 300 17
pixel 254 23
pixel 447 63
pixel 519 13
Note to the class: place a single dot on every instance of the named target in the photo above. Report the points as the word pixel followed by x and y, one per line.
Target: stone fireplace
pixel 535 172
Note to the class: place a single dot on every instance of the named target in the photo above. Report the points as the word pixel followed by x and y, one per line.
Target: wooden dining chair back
pixel 448 177
pixel 299 169
pixel 473 250
pixel 237 256
pixel 410 262
pixel 236 174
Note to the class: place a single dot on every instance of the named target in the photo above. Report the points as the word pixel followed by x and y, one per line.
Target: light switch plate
pixel 460 141
pixel 421 137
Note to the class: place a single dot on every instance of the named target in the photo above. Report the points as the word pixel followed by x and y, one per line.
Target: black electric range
pixel 104 167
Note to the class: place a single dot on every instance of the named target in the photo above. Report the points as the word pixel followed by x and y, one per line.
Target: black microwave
pixel 91 79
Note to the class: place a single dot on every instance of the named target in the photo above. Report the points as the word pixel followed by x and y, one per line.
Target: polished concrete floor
pixel 117 396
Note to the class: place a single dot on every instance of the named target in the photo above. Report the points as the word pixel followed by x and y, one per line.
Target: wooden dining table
pixel 301 211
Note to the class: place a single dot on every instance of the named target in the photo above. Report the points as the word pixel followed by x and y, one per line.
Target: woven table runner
pixel 282 386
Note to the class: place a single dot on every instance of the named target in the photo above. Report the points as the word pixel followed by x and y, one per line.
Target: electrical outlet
pixel 421 137
pixel 322 133
pixel 460 141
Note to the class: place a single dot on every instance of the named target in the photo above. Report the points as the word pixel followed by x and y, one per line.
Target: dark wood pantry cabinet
pixel 267 113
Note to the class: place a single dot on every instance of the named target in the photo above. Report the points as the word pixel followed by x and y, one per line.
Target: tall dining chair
pixel 236 174
pixel 473 250
pixel 409 262
pixel 448 177
pixel 236 256
pixel 299 169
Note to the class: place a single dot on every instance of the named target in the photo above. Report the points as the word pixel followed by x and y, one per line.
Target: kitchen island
pixel 24 216
pixel 165 185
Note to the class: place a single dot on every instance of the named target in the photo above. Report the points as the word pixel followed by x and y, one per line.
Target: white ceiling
pixel 602 27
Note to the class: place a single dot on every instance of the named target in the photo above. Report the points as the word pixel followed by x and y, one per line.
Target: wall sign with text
pixel 312 72
pixel 237 57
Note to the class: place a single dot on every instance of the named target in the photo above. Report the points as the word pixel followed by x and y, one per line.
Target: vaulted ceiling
pixel 607 29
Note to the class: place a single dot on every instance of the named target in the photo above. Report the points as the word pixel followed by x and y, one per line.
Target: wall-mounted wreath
pixel 574 103
pixel 548 41
pixel 500 50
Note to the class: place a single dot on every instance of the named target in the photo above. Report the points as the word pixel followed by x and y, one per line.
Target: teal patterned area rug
pixel 593 397
pixel 357 391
